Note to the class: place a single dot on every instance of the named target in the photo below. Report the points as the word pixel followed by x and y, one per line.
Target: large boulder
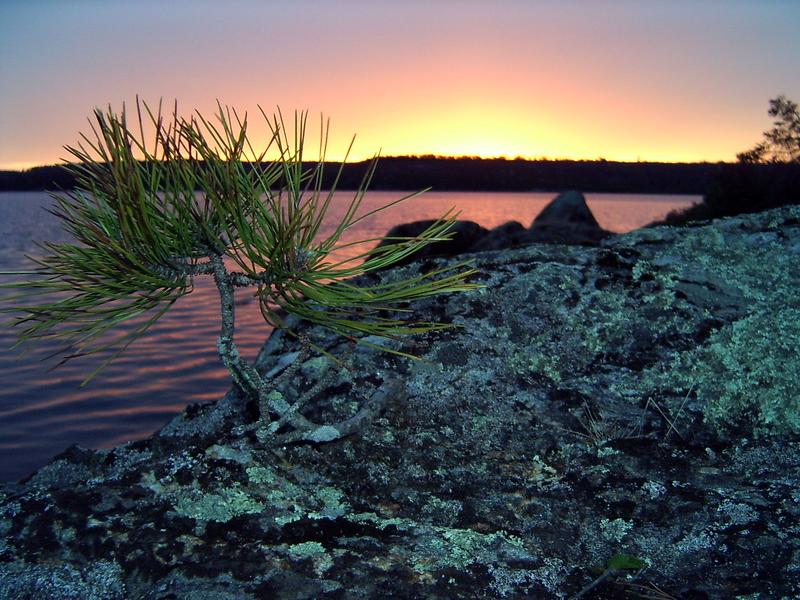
pixel 621 419
pixel 567 220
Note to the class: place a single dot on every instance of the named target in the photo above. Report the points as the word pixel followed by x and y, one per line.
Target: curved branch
pixel 244 374
pixel 390 390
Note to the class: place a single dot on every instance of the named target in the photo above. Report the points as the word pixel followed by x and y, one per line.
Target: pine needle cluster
pixel 164 199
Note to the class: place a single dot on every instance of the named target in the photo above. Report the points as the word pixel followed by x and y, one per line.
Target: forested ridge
pixel 469 173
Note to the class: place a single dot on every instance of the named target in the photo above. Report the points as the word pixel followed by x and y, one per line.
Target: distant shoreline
pixel 471 174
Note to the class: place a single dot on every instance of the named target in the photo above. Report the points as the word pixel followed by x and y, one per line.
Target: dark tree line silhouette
pixel 765 176
pixel 51 177
pixel 471 173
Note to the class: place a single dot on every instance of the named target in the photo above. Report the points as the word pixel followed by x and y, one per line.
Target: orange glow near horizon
pixel 447 127
pixel 444 124
pixel 660 81
pixel 468 130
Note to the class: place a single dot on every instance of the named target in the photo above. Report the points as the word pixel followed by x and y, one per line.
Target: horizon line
pixel 23 167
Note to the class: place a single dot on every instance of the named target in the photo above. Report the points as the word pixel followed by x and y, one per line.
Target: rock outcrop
pixel 567 219
pixel 624 416
pixel 465 235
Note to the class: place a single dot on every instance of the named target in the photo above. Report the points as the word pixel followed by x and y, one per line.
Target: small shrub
pixel 142 234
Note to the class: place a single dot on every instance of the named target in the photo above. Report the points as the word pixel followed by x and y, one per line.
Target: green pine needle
pixel 155 205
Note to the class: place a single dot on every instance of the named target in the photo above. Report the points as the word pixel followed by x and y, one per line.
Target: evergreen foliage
pixel 781 144
pixel 766 176
pixel 142 234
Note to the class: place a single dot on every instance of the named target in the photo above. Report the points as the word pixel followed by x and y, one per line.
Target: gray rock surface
pixel 636 398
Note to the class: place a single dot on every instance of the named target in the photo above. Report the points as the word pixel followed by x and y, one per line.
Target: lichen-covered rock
pixel 632 403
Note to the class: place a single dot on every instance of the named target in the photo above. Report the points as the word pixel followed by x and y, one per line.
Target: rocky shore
pixel 619 419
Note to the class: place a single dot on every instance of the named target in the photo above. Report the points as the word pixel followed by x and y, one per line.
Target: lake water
pixel 43 410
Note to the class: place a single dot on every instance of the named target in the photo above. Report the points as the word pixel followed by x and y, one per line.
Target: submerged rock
pixel 634 403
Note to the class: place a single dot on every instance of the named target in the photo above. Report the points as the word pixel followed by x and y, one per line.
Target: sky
pixel 626 80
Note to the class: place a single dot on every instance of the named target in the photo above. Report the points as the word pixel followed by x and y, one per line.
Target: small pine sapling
pixel 193 197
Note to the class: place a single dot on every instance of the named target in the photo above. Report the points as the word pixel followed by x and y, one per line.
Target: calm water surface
pixel 43 410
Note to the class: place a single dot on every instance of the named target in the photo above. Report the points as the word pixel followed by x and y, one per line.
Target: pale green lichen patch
pixel 277 402
pixel 743 375
pixel 540 474
pixel 737 513
pixel 288 502
pixel 260 475
pixel 316 367
pixel 445 547
pixel 221 506
pixel 572 324
pixel 333 505
pixel 150 481
pixel 324 433
pixel 615 530
pixel 525 364
pixel 313 551
pixel 748 372
pixel 380 522
pixel 435 548
pixel 442 511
